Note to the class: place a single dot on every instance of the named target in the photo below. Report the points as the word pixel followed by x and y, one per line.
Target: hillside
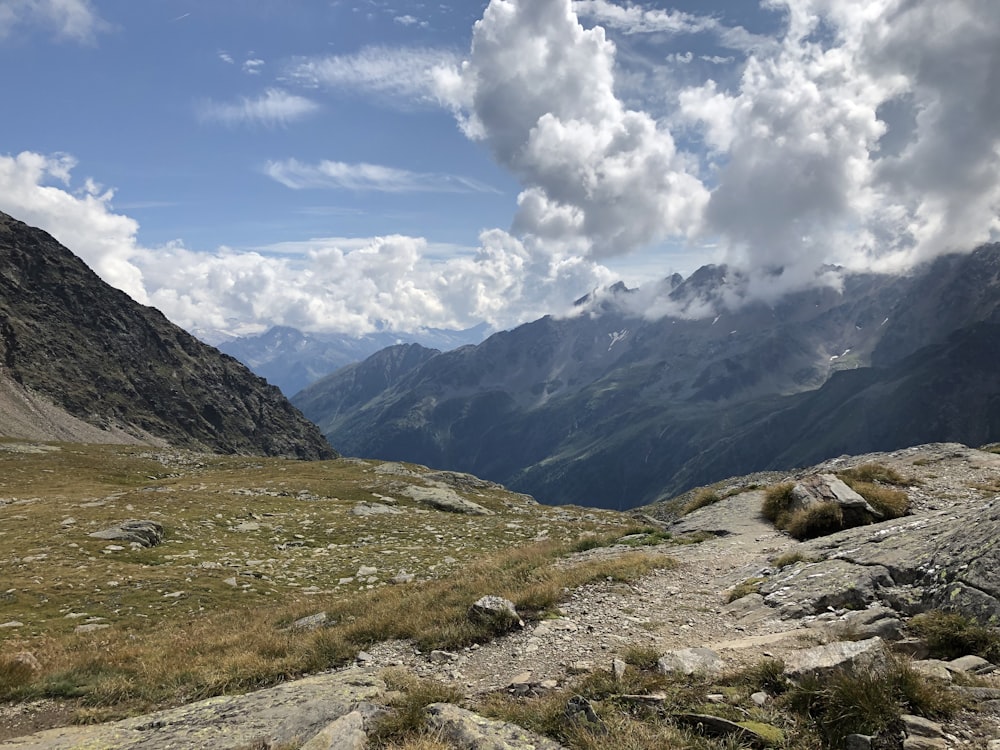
pixel 75 344
pixel 613 409
pixel 289 604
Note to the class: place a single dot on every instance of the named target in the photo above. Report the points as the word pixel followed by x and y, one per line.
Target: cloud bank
pixel 72 20
pixel 353 286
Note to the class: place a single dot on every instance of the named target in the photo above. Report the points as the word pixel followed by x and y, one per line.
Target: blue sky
pixel 353 166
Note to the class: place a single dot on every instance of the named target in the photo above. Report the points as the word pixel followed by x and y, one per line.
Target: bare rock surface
pixel 469 731
pixel 292 712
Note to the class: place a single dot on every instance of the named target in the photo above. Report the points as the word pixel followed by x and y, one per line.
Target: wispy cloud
pixel 405 74
pixel 252 66
pixel 273 108
pixel 226 57
pixel 340 175
pixel 75 20
pixel 409 20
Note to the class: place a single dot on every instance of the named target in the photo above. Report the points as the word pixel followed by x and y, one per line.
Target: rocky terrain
pixel 740 593
pixel 75 351
pixel 616 406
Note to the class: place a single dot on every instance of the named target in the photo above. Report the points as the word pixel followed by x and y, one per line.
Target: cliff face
pixel 118 365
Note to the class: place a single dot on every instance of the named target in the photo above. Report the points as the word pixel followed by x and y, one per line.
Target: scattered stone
pixel 715 698
pixel 618 667
pixel 875 621
pixel 581 667
pixel 439 656
pixel 91 627
pixel 689 661
pixel 366 570
pixel 12 624
pixel 364 657
pixel 312 622
pixel 843 655
pixel 977 694
pixel 230 581
pixel 402 577
pixel 144 533
pixel 917 726
pixel 580 711
pixel 760 698
pixel 374 509
pixel 466 730
pixel 915 648
pixel 497 613
pixel 246 526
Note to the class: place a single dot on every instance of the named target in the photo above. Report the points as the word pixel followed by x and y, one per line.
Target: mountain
pixel 85 353
pixel 611 409
pixel 292 359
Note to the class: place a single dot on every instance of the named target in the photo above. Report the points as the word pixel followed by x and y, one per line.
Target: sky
pixel 389 165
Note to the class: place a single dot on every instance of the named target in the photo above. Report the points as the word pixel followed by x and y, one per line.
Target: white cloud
pixel 408 20
pixel 354 285
pixel 368 177
pixel 75 20
pixel 82 220
pixel 252 66
pixel 405 75
pixel 226 58
pixel 274 107
pixel 600 179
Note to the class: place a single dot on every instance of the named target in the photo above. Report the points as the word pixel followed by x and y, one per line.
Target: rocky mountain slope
pixel 741 642
pixel 78 346
pixel 613 409
pixel 292 359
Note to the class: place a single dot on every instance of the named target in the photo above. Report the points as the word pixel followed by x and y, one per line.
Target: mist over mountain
pixel 71 342
pixel 616 408
pixel 292 359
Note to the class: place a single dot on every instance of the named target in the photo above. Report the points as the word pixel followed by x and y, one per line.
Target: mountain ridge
pixel 107 361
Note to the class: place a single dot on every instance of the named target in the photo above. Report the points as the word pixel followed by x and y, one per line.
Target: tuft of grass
pixel 749 586
pixel 767 674
pixel 778 503
pixel 702 497
pixel 867 701
pixel 816 520
pixel 990 448
pixel 406 721
pixel 891 503
pixel 788 559
pixel 640 656
pixel 873 473
pixel 14 676
pixel 950 635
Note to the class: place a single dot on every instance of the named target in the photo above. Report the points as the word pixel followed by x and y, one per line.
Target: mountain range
pixel 80 360
pixel 615 409
pixel 292 359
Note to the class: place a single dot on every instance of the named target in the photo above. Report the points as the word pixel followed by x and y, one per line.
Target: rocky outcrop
pixel 143 533
pixel 92 351
pixel 294 712
pixel 827 488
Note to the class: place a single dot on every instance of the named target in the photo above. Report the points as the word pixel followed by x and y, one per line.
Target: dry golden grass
pixel 285 534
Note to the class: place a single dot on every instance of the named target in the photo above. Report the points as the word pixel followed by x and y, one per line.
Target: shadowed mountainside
pixel 92 351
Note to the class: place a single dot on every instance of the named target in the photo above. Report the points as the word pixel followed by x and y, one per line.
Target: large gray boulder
pixel 145 533
pixel 828 488
pixel 850 656
pixel 294 712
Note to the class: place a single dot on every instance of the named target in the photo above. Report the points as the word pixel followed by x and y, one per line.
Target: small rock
pixel 842 655
pixel 230 581
pixel 459 728
pixel 346 733
pixel 145 533
pixel 618 668
pixel 12 624
pixel 90 628
pixel 918 726
pixel 760 698
pixel 312 622
pixel 548 684
pixel 934 668
pixel 402 577
pixel 440 657
pixel 364 657
pixel 857 742
pixel 365 570
pixel 715 698
pixel 581 667
pixel 689 661
pixel 497 613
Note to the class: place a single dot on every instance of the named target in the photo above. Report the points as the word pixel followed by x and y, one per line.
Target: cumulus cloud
pixel 274 107
pixel 368 177
pixel 353 286
pixel 252 66
pixel 403 75
pixel 83 220
pixel 600 179
pixel 74 20
pixel 804 178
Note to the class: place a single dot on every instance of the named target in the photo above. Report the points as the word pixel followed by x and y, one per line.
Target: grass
pixel 702 497
pixel 405 721
pixel 778 502
pixel 284 532
pixel 790 558
pixel 867 702
pixel 874 473
pixel 950 635
pixel 815 520
pixel 744 588
pixel 990 448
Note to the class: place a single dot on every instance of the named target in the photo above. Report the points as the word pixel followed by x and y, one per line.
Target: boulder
pixel 821 661
pixel 443 498
pixel 689 661
pixel 828 488
pixel 289 714
pixel 497 613
pixel 145 533
pixel 466 730
pixel 345 733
